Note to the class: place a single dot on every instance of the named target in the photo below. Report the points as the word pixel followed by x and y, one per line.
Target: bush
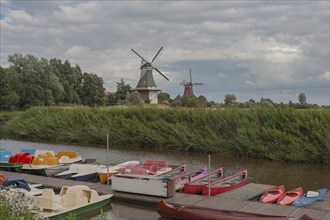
pixel 15 205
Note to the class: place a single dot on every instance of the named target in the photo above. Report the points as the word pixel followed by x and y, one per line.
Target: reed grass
pixel 277 134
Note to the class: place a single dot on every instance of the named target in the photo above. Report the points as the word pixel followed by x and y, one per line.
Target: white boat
pixel 78 199
pixel 87 172
pixel 73 169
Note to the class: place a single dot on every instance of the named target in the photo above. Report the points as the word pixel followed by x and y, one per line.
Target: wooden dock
pixel 242 199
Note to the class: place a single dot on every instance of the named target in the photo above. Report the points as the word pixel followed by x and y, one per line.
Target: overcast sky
pixel 253 49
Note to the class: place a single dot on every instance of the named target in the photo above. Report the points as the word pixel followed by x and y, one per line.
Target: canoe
pixel 111 170
pixel 272 195
pixel 196 186
pixel 197 213
pixel 290 197
pixel 310 197
pixel 226 184
pixel 174 172
pixel 182 179
pixel 78 200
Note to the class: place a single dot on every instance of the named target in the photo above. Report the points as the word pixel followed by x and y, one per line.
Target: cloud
pixel 250 48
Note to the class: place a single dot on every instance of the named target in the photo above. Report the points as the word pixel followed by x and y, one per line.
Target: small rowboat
pixel 196 186
pixel 290 196
pixel 310 197
pixel 182 179
pixel 229 183
pixel 271 195
pixel 174 172
pixel 196 213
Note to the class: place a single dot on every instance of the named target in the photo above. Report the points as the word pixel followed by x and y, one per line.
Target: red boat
pixel 174 172
pixel 271 195
pixel 202 213
pixel 227 184
pixel 196 186
pixel 290 196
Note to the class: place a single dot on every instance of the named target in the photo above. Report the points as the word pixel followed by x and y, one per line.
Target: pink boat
pixel 182 179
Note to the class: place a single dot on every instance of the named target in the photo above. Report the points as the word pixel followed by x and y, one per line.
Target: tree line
pixel 29 81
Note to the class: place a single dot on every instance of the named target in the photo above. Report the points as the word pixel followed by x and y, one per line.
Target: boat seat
pixel 122 170
pixel 69 199
pixel 48 193
pixel 153 169
pixel 46 203
pixel 70 154
pixel 159 163
pixel 139 171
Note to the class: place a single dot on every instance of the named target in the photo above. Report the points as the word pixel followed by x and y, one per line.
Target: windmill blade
pixel 198 83
pixel 161 73
pixel 139 56
pixel 190 76
pixel 156 54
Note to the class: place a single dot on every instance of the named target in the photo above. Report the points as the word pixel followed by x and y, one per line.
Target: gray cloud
pixel 253 49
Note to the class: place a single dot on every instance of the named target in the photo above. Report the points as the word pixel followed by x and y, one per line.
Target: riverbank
pixel 276 134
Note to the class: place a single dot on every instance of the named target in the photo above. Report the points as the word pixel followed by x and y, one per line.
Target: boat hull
pixel 87 177
pixel 12 167
pixel 81 210
pixel 198 213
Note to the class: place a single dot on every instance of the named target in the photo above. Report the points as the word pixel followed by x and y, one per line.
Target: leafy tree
pixel 122 90
pixel 211 104
pixel 163 96
pixel 202 100
pixel 8 97
pixel 302 99
pixel 190 101
pixel 134 98
pixel 92 90
pixel 230 99
pixel 267 102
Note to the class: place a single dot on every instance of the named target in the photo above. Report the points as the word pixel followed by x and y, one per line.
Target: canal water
pixel 292 175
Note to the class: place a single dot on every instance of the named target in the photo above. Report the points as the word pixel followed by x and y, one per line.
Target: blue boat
pixel 310 197
pixel 18 183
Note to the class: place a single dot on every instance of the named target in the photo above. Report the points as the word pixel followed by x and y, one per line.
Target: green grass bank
pixel 277 134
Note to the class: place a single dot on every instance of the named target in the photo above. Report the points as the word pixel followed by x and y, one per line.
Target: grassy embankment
pixel 276 134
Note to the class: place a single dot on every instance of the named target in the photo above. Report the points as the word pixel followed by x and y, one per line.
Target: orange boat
pixel 272 195
pixel 290 196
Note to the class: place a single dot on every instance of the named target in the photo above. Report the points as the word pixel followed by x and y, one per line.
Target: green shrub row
pixel 276 134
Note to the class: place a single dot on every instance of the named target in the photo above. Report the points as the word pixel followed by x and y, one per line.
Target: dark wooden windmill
pixel 146 85
pixel 188 86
